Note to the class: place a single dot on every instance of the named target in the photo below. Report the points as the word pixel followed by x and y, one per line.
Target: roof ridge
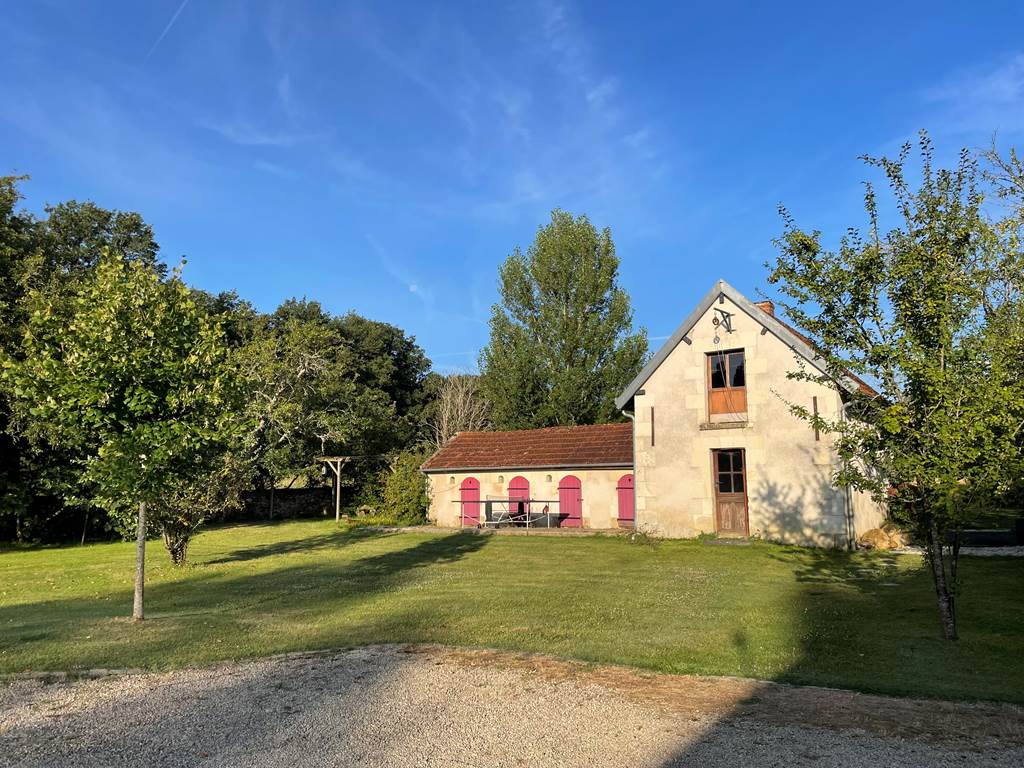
pixel 542 429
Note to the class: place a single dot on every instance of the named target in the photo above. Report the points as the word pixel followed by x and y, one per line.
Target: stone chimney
pixel 767 306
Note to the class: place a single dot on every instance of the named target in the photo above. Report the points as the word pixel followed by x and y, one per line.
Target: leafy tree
pixel 928 310
pixel 1005 326
pixel 212 487
pixel 384 358
pixel 562 343
pixel 15 241
pixel 74 235
pixel 132 376
pixel 238 318
pixel 304 397
pixel 50 255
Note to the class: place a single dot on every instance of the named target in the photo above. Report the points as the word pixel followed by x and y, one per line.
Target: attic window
pixel 727 383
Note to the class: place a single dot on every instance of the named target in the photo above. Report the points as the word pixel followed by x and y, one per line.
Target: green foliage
pixel 311 383
pixel 382 357
pixel 212 488
pixel 562 345
pixel 405 497
pixel 931 311
pixel 46 258
pixel 128 373
pixel 304 399
pixel 16 242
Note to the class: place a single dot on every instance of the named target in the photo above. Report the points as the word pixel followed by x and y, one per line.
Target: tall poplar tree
pixel 562 341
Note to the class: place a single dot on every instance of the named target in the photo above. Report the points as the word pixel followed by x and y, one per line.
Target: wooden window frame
pixel 727 400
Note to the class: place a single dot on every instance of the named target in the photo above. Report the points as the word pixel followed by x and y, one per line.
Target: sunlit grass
pixel 861 621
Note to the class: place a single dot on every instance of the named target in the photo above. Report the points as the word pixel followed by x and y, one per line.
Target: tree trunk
pixel 140 563
pixel 85 527
pixel 177 539
pixel 944 590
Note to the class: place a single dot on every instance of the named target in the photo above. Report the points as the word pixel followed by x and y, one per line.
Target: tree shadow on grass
pixel 239 605
pixel 330 540
pixel 866 621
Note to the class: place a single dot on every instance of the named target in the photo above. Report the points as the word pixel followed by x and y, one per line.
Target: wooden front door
pixel 730 478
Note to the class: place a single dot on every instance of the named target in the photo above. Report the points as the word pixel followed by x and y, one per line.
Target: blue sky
pixel 386 157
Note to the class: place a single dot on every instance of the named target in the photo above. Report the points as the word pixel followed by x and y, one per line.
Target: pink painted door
pixel 470 497
pixel 518 498
pixel 627 513
pixel 570 502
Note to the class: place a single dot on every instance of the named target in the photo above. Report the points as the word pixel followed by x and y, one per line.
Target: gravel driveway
pixel 428 706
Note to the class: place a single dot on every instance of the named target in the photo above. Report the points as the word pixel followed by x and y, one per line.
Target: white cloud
pixel 983 99
pixel 245 134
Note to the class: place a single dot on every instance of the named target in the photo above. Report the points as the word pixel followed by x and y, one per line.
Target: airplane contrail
pixel 167 29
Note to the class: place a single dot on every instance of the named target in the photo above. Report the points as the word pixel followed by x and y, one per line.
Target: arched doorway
pixel 570 502
pixel 627 510
pixel 518 498
pixel 469 495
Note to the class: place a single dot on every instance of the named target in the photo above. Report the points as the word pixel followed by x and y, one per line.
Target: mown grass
pixel 862 621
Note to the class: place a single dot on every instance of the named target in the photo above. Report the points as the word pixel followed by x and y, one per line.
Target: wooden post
pixel 337 492
pixel 140 564
pixel 335 465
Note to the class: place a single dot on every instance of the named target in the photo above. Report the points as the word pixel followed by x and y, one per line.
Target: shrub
pixel 405 489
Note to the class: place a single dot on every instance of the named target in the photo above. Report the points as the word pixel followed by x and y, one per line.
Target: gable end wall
pixel 789 490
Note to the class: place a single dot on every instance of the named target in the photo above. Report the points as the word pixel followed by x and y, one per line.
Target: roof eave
pixel 520 468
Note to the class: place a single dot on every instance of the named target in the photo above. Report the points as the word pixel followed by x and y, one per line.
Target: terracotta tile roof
pixel 862 385
pixel 598 445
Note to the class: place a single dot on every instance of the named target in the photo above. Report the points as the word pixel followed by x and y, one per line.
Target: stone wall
pixel 288 503
pixel 789 492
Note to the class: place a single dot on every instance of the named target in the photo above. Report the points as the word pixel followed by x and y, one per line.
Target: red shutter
pixel 570 502
pixel 470 497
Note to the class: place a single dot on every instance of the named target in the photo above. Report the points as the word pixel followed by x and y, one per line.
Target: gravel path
pixel 428 706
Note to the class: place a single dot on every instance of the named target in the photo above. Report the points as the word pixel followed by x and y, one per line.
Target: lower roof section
pixel 599 445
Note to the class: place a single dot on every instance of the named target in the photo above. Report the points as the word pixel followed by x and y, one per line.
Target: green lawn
pixel 860 621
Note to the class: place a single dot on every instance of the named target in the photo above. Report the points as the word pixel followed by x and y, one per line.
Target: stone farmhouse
pixel 709 446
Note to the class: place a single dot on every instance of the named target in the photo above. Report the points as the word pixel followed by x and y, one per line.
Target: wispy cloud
pixel 545 125
pixel 983 99
pixel 167 29
pixel 401 273
pixel 275 169
pixel 247 135
pixel 417 285
pixel 126 154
